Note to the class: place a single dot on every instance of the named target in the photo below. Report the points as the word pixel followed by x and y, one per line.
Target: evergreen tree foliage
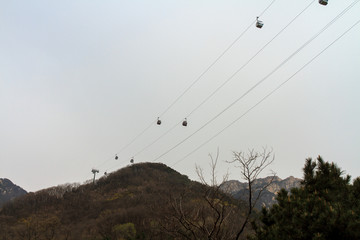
pixel 326 206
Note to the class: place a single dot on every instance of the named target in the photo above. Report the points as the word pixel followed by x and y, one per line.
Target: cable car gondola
pixel 116 157
pixel 323 2
pixel 260 24
pixel 132 160
pixel 184 123
pixel 158 121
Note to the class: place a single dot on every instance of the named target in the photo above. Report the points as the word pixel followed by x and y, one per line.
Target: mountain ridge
pixel 9 191
pixel 145 199
pixel 239 190
pixel 140 200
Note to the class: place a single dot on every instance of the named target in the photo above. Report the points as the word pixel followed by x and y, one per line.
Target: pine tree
pixel 326 206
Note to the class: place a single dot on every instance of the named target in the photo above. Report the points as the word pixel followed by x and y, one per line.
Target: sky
pixel 81 79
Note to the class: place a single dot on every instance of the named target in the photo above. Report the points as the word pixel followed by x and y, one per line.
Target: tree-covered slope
pixel 142 201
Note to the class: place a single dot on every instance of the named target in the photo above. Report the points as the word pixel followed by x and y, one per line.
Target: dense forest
pixel 153 201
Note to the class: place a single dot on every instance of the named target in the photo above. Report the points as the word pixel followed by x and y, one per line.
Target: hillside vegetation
pixel 152 201
pixel 142 201
pixel 325 207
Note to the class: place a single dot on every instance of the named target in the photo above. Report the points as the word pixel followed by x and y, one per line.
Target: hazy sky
pixel 79 79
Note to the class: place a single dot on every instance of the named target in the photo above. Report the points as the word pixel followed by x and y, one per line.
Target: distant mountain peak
pixel 9 191
pixel 239 189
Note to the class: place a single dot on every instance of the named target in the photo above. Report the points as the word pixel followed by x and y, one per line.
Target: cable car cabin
pixel 158 121
pixel 323 2
pixel 132 160
pixel 116 157
pixel 260 24
pixel 184 123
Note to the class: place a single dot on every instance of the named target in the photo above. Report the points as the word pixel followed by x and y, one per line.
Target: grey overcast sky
pixel 79 79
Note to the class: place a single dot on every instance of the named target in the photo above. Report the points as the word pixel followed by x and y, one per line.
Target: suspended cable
pixel 107 160
pixel 262 80
pixel 128 144
pixel 232 76
pixel 214 62
pixel 163 135
pixel 188 88
pixel 137 136
pixel 268 95
pixel 245 64
pixel 267 8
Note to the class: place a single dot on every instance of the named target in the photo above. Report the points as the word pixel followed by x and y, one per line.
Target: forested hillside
pixel 152 201
pixel 142 201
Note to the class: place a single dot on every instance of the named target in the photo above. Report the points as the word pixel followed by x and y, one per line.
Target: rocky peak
pixel 9 191
pixel 239 189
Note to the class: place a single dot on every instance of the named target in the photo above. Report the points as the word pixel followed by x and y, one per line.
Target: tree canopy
pixel 326 206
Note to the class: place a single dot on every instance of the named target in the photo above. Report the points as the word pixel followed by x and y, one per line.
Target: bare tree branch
pixel 214 215
pixel 251 166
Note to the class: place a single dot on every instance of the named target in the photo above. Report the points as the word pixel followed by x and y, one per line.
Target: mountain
pixel 9 191
pixel 141 201
pixel 239 189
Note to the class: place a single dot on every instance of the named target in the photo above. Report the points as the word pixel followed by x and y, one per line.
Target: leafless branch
pixel 251 165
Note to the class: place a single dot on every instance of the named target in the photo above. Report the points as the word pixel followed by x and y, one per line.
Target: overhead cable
pixel 214 62
pixel 268 95
pixel 261 81
pixel 232 76
pixel 192 84
pixel 245 64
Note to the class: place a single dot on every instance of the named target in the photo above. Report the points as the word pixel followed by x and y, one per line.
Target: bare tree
pixel 251 164
pixel 212 215
pixel 213 179
pixel 215 200
pixel 215 215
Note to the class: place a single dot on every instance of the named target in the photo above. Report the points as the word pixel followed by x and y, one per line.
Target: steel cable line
pixel 252 58
pixel 137 136
pixel 128 144
pixel 230 78
pixel 269 94
pixel 187 89
pixel 157 139
pixel 214 62
pixel 262 80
